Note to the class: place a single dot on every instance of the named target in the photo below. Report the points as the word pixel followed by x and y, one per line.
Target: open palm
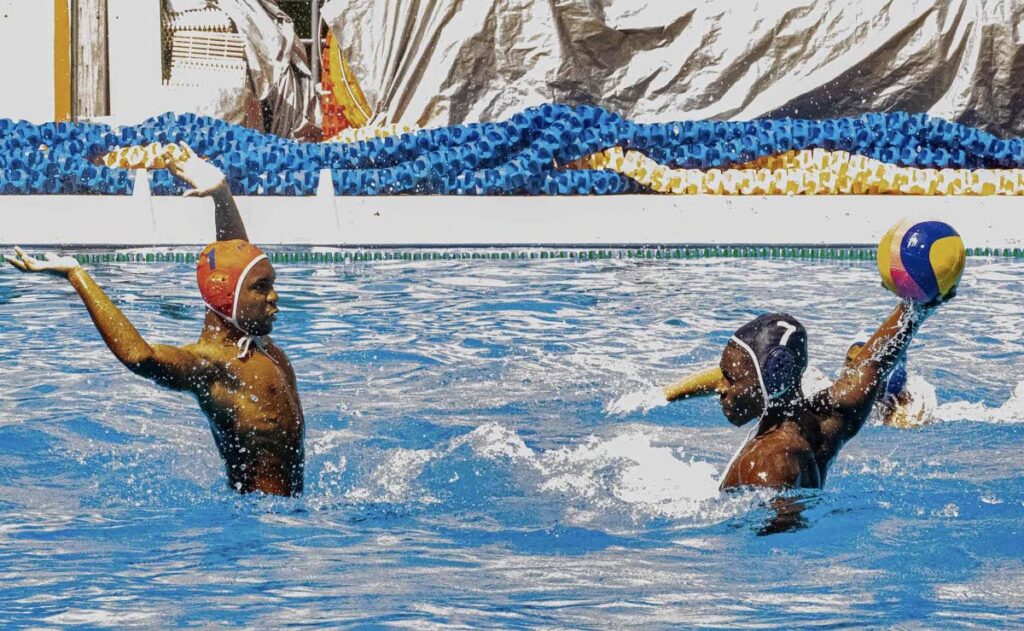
pixel 52 263
pixel 204 178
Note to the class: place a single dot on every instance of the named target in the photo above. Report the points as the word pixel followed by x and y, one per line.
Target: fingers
pixel 22 261
pixel 15 262
pixel 165 160
pixel 31 264
pixel 174 166
pixel 26 260
pixel 191 193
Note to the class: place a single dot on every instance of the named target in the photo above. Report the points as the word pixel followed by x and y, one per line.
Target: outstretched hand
pixel 53 263
pixel 204 178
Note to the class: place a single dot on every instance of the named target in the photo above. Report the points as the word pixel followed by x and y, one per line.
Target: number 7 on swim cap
pixel 921 261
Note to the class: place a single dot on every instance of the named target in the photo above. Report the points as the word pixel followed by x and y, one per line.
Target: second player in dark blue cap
pixel 796 437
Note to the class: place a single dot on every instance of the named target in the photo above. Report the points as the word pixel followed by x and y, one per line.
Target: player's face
pixel 741 396
pixel 257 300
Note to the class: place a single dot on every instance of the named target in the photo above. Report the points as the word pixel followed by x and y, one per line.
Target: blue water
pixel 481 453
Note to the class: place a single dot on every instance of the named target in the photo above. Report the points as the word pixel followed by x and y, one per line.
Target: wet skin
pixel 798 437
pixel 894 409
pixel 252 402
pixel 782 454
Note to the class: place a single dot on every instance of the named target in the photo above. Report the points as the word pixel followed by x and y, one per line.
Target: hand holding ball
pixel 922 261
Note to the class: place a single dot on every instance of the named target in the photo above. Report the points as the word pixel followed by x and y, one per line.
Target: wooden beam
pixel 61 61
pixel 91 85
pixel 314 34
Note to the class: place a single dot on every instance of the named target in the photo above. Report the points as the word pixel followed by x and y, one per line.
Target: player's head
pixel 762 363
pixel 236 281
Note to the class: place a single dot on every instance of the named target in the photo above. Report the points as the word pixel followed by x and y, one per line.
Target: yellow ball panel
pixel 948 257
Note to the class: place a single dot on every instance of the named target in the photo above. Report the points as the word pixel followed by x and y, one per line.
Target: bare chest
pixel 256 395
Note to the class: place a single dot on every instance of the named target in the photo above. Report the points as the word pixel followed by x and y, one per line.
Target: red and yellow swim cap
pixel 222 267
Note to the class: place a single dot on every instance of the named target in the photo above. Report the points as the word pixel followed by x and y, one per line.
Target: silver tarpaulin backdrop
pixel 439 62
pixel 278 68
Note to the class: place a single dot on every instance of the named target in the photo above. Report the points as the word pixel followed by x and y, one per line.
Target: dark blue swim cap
pixel 897 380
pixel 777 343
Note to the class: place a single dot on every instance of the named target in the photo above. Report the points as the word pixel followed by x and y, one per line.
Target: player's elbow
pixel 140 361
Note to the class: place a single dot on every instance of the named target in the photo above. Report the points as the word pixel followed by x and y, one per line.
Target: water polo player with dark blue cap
pixel 796 438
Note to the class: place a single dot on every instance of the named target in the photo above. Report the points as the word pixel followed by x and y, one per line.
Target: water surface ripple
pixel 483 450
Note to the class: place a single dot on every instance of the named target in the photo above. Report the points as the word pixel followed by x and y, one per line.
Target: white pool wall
pixel 996 222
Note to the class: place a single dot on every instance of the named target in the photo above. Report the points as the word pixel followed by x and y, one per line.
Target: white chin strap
pixel 757 369
pixel 247 340
pixel 764 393
pixel 767 399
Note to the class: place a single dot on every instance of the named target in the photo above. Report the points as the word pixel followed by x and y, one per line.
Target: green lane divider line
pixel 822 253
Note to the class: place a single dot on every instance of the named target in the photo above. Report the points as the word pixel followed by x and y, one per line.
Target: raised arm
pixel 855 392
pixel 229 221
pixel 168 366
pixel 207 180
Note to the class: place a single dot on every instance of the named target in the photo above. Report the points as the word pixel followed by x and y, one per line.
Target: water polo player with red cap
pixel 243 381
pixel 796 438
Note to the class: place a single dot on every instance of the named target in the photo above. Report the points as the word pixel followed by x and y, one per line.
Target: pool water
pixel 483 450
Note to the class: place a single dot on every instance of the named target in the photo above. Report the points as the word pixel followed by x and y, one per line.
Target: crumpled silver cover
pixel 441 62
pixel 278 66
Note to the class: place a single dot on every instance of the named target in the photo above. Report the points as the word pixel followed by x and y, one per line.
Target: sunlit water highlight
pixel 484 449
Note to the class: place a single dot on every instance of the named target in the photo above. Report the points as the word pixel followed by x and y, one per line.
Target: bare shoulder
pixel 780 458
pixel 822 402
pixel 209 355
pixel 835 425
pixel 275 352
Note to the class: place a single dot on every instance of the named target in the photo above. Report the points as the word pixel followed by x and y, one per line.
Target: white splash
pixel 923 402
pixel 628 473
pixel 814 381
pixel 494 441
pixel 638 401
pixel 1010 412
pixel 628 468
pixel 393 481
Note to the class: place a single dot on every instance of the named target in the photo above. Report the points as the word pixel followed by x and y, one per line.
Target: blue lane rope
pixel 518 156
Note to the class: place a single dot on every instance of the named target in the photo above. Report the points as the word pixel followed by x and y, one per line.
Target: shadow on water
pixel 178 311
pixel 10 293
